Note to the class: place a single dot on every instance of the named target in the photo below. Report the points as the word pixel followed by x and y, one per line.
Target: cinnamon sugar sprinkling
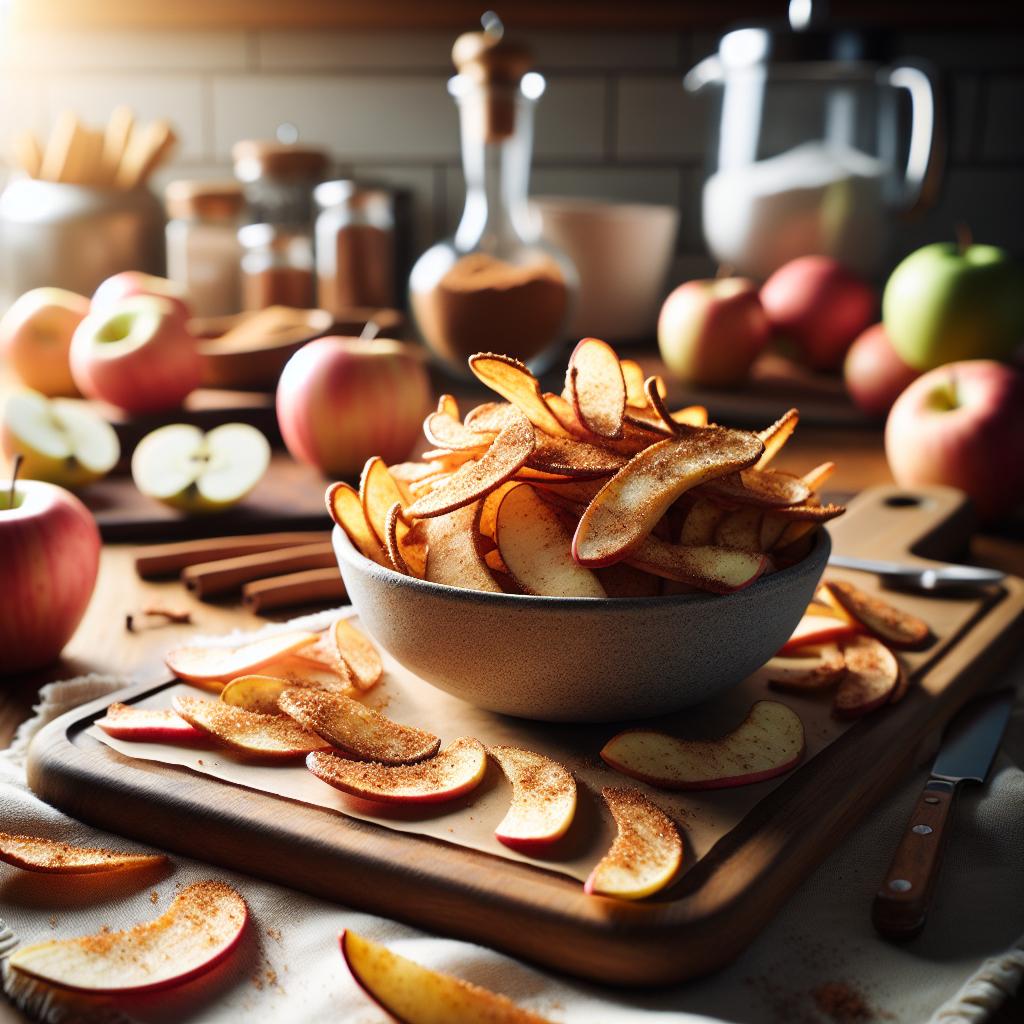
pixel 50 855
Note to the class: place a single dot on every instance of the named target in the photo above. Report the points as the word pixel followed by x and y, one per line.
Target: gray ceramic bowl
pixel 578 659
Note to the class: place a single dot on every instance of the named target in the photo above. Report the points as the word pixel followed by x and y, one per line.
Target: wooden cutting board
pixel 536 912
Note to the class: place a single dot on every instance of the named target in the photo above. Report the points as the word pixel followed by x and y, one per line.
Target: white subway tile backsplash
pixel 657 119
pixel 570 119
pixel 355 51
pixel 422 183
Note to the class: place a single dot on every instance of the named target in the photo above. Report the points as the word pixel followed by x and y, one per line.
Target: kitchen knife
pixel 967 749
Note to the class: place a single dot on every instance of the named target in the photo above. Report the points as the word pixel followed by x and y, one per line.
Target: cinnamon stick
pixel 166 559
pixel 308 587
pixel 208 579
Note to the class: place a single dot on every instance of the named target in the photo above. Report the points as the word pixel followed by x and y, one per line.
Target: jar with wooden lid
pixel 277 266
pixel 278 179
pixel 202 243
pixel 496 285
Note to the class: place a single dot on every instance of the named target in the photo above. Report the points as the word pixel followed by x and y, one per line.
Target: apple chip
pixel 883 620
pixel 543 799
pixel 50 856
pixel 377 493
pixel 147 725
pixel 814 629
pixel 356 729
pixel 407 545
pixel 453 557
pixel 633 376
pixel 256 693
pixel 211 667
pixel 814 669
pixel 809 513
pixel 598 391
pixel 514 382
pixel 691 415
pixel 720 570
pixel 448 405
pixel 311 666
pixel 489 509
pixel 767 488
pixel 458 769
pixel 814 479
pixel 872 676
pixel 347 511
pixel 446 431
pixel 775 436
pixel 569 457
pixel 772 530
pixel 740 529
pixel 627 508
pixel 701 522
pixel 654 389
pixel 358 654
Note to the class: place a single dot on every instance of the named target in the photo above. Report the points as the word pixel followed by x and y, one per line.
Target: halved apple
pixel 543 799
pixel 646 853
pixel 211 667
pixel 815 629
pixel 357 729
pixel 720 570
pixel 815 668
pixel 453 557
pixel 274 737
pixel 872 676
pixel 597 388
pixel 256 693
pixel 768 742
pixel 50 856
pixel 357 652
pixel 455 771
pixel 147 725
pixel 199 929
pixel 878 617
pixel 414 994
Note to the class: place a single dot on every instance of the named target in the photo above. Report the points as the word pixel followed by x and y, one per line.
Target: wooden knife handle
pixel 902 902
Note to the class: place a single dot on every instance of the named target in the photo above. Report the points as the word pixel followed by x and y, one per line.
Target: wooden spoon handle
pixel 902 902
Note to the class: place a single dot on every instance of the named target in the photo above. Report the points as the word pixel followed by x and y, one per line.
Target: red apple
pixel 49 550
pixel 130 283
pixel 875 376
pixel 710 332
pixel 818 304
pixel 342 400
pixel 137 355
pixel 35 336
pixel 962 425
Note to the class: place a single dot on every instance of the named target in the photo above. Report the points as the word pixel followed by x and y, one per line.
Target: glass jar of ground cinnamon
pixel 277 266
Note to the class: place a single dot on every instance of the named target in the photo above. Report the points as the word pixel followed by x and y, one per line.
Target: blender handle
pixel 920 180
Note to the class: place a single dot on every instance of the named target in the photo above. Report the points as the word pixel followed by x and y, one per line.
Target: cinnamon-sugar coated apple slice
pixel 200 928
pixel 148 725
pixel 413 994
pixel 256 735
pixel 537 548
pixel 346 509
pixel 211 667
pixel 814 669
pixel 357 653
pixel 872 676
pixel 543 799
pixel 775 436
pixel 572 458
pixel 458 769
pixel 597 387
pixel 718 569
pixel 815 629
pixel 453 555
pixel 514 382
pixel 406 545
pixel 50 856
pixel 627 508
pixel 883 620
pixel 256 693
pixel 356 729
pixel 443 430
pixel 645 855
pixel 768 742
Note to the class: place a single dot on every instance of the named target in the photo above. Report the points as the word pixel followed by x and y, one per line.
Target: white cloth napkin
pixel 963 966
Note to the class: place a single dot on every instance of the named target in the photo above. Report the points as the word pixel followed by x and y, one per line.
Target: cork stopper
pixel 205 200
pixel 258 158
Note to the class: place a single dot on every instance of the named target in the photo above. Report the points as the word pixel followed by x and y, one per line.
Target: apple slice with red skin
pixel 199 929
pixel 453 556
pixel 883 620
pixel 813 669
pixel 455 771
pixel 148 725
pixel 543 799
pixel 815 629
pixel 212 667
pixel 646 853
pixel 872 677
pixel 597 388
pixel 271 737
pixel 720 570
pixel 514 382
pixel 413 994
pixel 50 856
pixel 768 742
pixel 256 693
pixel 358 654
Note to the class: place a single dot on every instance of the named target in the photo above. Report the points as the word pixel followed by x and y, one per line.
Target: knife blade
pixel 965 755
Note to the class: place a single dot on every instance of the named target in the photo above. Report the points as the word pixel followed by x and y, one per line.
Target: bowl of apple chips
pixel 588 556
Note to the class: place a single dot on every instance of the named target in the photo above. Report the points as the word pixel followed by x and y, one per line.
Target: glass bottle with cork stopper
pixel 496 286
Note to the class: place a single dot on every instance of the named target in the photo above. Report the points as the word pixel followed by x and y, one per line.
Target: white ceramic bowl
pixel 578 659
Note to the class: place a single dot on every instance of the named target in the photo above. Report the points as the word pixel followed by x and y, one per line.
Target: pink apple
pixel 35 335
pixel 130 283
pixel 137 355
pixel 875 376
pixel 50 550
pixel 341 400
pixel 819 305
pixel 962 425
pixel 710 332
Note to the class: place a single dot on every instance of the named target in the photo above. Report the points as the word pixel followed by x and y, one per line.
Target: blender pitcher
pixel 809 153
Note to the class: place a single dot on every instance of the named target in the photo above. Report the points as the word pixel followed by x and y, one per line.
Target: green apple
pixel 196 472
pixel 945 303
pixel 61 440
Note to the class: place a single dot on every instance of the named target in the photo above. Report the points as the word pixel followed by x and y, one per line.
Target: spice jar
pixel 496 286
pixel 355 246
pixel 277 266
pixel 202 243
pixel 278 179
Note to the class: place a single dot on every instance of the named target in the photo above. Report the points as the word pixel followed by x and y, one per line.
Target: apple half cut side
pixel 645 855
pixel 50 856
pixel 768 742
pixel 148 725
pixel 597 388
pixel 872 677
pixel 413 994
pixel 543 799
pixel 814 669
pixel 357 653
pixel 881 619
pixel 200 928
pixel 212 667
pixel 815 629
pixel 455 771
pixel 716 569
pixel 356 729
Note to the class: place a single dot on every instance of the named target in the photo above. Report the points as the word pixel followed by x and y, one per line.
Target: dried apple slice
pixel 537 548
pixel 691 415
pixel 767 743
pixel 570 457
pixel 899 691
pixel 872 676
pixel 406 544
pixel 50 856
pixel 655 390
pixel 147 725
pixel 626 509
pixel 356 729
pixel 633 377
pixel 377 493
pixel 447 404
pixel 444 430
pixel 815 478
pixel 347 511
pixel 720 570
pixel 453 557
pixel 358 653
pixel 815 668
pixel 489 509
pixel 815 629
pixel 772 530
pixel 265 736
pixel 775 436
pixel 700 523
pixel 256 693
pixel 455 771
pixel 211 667
pixel 414 994
pixel 303 670
pixel 645 855
pixel 543 799
pixel 765 488
pixel 199 929
pixel 597 388
pixel 740 529
pixel 514 382
pixel 809 513
pixel 878 617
